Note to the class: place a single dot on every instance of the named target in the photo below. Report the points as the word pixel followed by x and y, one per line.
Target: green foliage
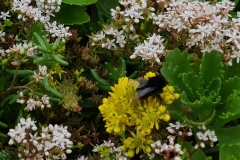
pixel 71 14
pixel 104 6
pixel 211 91
pixel 114 75
pixel 80 3
pixel 8 155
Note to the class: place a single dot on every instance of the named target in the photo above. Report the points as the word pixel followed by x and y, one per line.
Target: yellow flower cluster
pixel 168 95
pixel 118 109
pixel 136 143
pixel 122 110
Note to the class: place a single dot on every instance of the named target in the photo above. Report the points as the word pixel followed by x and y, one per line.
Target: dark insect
pixel 150 86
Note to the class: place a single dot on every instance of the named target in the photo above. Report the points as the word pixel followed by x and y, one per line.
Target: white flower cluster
pixel 111 38
pixel 178 130
pixel 204 26
pixel 33 104
pixel 53 143
pixel 42 12
pixel 133 10
pixel 115 38
pixel 2 36
pixel 22 48
pixel 57 30
pixel 82 158
pixel 49 6
pixel 169 147
pixel 205 136
pixel 41 73
pixel 151 50
pixel 197 26
pixel 117 152
pixel 2 39
pixel 165 150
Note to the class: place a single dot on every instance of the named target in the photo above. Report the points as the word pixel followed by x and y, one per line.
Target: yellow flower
pixel 136 143
pixel 118 109
pixel 149 74
pixel 154 112
pixel 168 95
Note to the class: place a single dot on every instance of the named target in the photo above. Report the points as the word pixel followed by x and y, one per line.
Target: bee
pixel 150 86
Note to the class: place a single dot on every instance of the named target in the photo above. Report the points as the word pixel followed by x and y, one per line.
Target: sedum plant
pixel 209 91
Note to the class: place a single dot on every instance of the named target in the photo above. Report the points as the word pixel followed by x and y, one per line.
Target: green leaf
pixel 211 67
pixel 236 4
pixel 176 110
pixel 80 2
pixel 89 107
pixel 7 23
pixel 231 71
pixel 104 6
pixel 71 14
pixel 86 103
pixel 3 82
pixel 193 83
pixel 231 157
pixel 214 85
pixel 198 155
pixel 228 86
pixel 229 137
pixel 195 104
pixel 87 112
pixel 173 68
pixel 230 112
pixel 229 152
pixel 195 67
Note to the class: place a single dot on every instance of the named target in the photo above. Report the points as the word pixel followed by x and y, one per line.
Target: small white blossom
pixel 4 15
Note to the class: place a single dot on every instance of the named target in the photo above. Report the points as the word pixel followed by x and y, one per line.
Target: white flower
pixel 212 136
pixel 45 99
pixel 4 15
pixel 100 36
pixel 31 104
pixel 202 136
pixel 37 76
pixel 83 158
pixel 110 43
pixel 110 31
pixel 2 34
pixel 236 54
pixel 95 148
pixel 108 144
pixel 43 70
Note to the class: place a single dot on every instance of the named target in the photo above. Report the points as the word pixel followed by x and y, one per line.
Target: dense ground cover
pixel 128 79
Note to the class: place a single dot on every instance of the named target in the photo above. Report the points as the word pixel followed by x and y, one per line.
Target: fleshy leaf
pixel 228 136
pixel 230 112
pixel 231 71
pixel 229 152
pixel 104 6
pixel 198 155
pixel 195 105
pixel 174 67
pixel 71 14
pixel 80 2
pixel 211 67
pixel 214 85
pixel 231 157
pixel 228 86
pixel 195 67
pixel 192 82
